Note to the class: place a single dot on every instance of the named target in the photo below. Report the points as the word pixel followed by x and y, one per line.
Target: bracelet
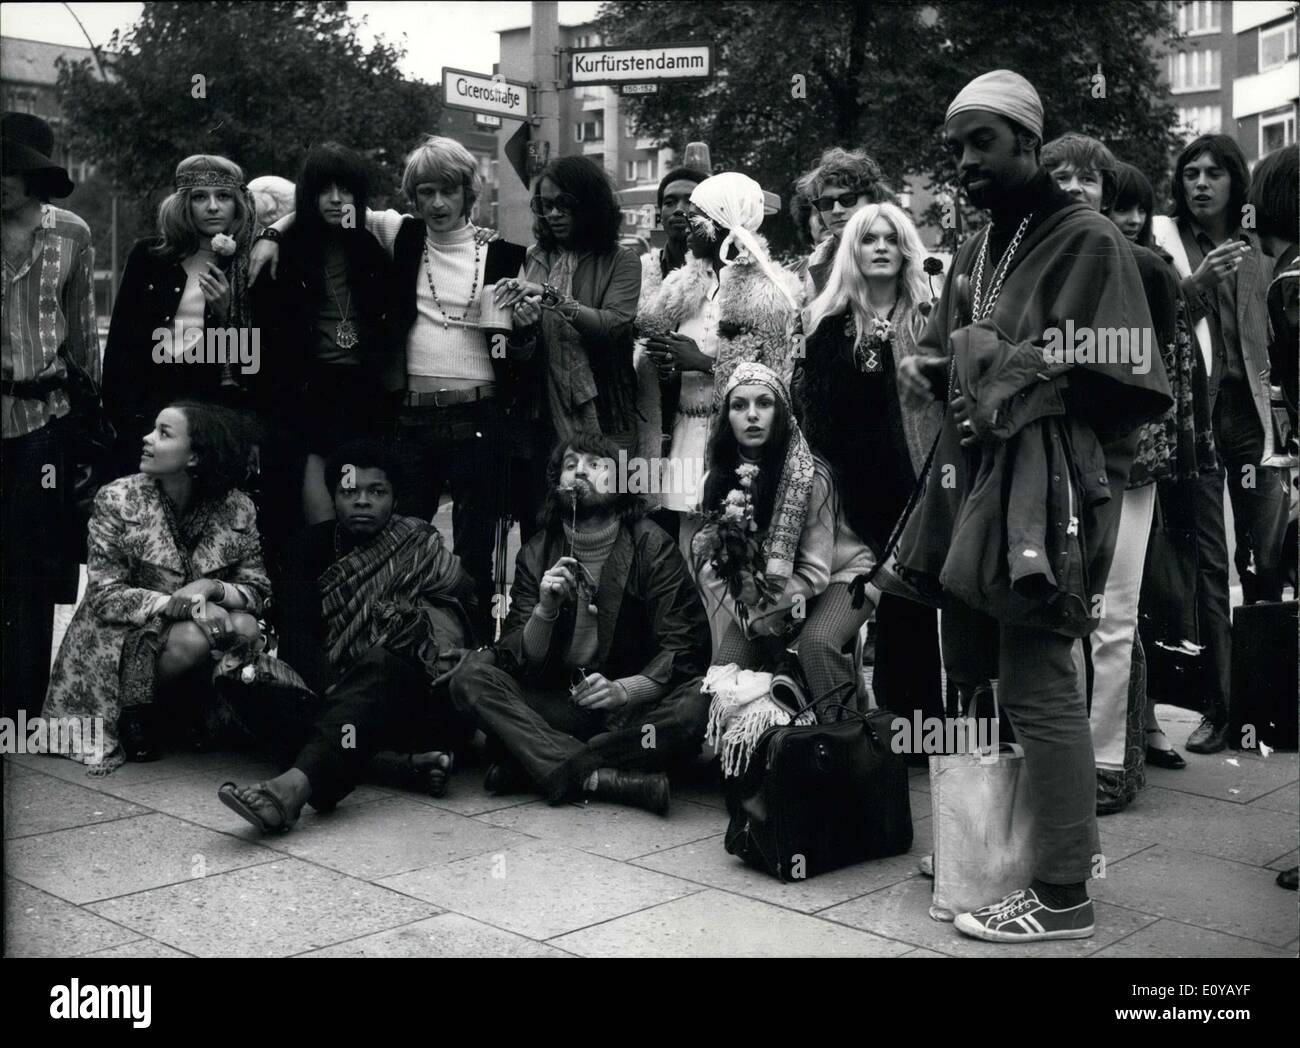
pixel 269 233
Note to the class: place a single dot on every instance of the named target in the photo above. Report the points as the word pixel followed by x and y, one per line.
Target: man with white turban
pixel 1014 533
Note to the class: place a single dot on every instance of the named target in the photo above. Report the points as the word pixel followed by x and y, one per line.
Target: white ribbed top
pixel 439 347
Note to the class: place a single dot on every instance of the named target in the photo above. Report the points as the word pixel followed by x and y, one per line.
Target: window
pixel 1200 120
pixel 1200 16
pixel 1194 71
pixel 1276 45
pixel 1276 129
pixel 587 40
pixel 589 131
pixel 646 169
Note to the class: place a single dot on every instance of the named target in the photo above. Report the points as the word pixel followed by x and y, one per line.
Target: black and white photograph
pixel 647 479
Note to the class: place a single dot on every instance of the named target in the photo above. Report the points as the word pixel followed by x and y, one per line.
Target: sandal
pixel 400 769
pixel 226 794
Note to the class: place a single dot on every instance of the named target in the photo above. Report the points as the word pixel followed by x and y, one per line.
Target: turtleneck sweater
pixel 438 346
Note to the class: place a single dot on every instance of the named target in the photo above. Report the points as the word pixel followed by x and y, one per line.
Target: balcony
pixel 595 148
pixel 1263 91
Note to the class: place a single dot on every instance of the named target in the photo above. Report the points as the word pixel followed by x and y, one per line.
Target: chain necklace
pixel 866 353
pixel 983 304
pixel 473 288
pixel 345 333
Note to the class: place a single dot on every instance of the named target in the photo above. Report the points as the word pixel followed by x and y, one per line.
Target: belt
pixel 444 398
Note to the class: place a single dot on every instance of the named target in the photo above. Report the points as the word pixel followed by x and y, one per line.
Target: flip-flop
pixel 226 794
pixel 401 770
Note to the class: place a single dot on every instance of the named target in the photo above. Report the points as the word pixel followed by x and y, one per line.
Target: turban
pixel 735 201
pixel 1005 93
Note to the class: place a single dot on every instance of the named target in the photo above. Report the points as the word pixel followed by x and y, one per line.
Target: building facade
pixel 28 77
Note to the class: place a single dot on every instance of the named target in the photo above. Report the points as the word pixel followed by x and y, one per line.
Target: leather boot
pixel 1208 737
pixel 647 790
pixel 137 733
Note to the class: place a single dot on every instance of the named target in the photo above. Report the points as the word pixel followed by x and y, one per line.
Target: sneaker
pixel 1023 917
pixel 1208 737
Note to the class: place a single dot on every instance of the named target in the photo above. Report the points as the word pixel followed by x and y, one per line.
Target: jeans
pixel 559 744
pixel 458 447
pixel 1041 689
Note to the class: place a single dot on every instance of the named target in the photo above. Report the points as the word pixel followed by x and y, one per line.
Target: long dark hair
pixel 1227 154
pixel 723 456
pixel 1273 192
pixel 1133 189
pixel 629 507
pixel 222 439
pixel 598 218
pixel 327 164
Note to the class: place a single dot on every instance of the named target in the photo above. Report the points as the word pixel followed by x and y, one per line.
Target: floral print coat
pixel 136 554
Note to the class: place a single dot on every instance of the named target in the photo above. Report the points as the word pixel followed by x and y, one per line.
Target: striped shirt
pixel 48 301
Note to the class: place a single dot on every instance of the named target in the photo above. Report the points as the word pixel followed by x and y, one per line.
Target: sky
pixel 462 34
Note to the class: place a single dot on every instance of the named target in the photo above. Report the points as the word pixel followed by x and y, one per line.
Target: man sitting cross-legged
pixel 595 686
pixel 371 609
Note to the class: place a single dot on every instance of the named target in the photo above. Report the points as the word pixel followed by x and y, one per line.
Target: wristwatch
pixel 269 233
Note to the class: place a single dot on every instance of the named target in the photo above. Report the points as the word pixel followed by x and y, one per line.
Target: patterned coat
pixel 133 560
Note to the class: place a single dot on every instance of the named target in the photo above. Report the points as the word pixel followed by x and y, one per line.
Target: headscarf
pixel 794 487
pixel 1005 93
pixel 735 201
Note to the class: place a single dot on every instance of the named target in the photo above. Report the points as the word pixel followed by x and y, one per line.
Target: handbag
pixel 818 797
pixel 91 435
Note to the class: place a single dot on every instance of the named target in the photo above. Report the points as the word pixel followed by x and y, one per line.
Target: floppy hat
pixel 26 142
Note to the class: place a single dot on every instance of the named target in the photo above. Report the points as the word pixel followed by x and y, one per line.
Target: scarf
pixel 1164 231
pixel 740 711
pixel 794 488
pixel 735 201
pixel 367 591
pixel 571 389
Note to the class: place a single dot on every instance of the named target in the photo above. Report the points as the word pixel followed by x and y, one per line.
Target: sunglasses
pixel 565 204
pixel 845 200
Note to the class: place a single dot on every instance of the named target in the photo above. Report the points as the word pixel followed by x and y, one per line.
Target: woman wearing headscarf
pixel 762 471
pixel 190 278
pixel 729 303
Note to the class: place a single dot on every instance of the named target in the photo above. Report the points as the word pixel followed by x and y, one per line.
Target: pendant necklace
pixel 473 287
pixel 345 333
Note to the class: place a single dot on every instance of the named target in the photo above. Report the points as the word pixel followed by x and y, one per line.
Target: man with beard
pixel 594 688
pixel 371 609
pixel 1016 528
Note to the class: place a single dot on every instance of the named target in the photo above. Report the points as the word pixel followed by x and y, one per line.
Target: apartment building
pixel 1235 71
pixel 28 75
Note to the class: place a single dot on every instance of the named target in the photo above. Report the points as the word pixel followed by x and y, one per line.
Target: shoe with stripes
pixel 1023 917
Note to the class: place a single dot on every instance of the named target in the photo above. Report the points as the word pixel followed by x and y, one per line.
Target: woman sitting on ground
pixel 175 569
pixel 810 551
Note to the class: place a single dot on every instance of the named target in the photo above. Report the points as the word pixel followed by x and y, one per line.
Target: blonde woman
pixel 859 329
pixel 191 276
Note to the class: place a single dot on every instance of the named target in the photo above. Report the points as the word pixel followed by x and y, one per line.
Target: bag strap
pixel 813 702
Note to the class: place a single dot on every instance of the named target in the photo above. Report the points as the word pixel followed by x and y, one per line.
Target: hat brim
pixel 20 159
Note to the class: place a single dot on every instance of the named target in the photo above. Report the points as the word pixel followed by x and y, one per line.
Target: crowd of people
pixel 844 465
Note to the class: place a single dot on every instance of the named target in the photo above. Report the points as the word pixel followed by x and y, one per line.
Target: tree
pixel 794 79
pixel 258 83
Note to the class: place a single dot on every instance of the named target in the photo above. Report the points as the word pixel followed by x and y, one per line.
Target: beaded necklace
pixel 473 288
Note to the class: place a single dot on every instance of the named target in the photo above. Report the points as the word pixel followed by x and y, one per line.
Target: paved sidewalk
pixel 147 863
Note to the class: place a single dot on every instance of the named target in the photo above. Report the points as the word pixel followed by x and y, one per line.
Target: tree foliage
pixel 796 78
pixel 276 78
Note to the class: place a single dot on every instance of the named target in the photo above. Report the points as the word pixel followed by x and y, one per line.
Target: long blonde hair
pixel 847 285
pixel 180 237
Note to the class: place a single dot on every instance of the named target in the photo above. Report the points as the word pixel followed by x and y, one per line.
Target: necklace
pixel 983 304
pixel 473 287
pixel 867 356
pixel 345 333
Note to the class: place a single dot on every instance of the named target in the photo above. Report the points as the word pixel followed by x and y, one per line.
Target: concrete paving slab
pixel 132 773
pixel 36 803
pixel 193 797
pixel 271 910
pixel 466 795
pixel 140 949
pixel 902 912
pixel 716 924
pixel 447 935
pixel 390 836
pixel 706 862
pixel 1230 776
pixel 1286 799
pixel 611 830
pixel 1225 896
pixel 1172 939
pixel 38 924
pixel 1202 824
pixel 541 889
pixel 128 855
pixel 1291 858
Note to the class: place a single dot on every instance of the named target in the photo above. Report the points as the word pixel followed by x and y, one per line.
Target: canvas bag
pixel 983 828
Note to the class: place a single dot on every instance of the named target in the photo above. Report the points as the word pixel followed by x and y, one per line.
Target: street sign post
pixel 658 63
pixel 481 93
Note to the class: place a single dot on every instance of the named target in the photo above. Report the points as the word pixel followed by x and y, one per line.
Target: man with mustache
pixel 1016 528
pixel 594 687
pixel 1225 282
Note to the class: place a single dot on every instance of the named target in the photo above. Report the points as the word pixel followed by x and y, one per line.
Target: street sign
pixel 483 120
pixel 635 65
pixel 481 93
pixel 638 89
